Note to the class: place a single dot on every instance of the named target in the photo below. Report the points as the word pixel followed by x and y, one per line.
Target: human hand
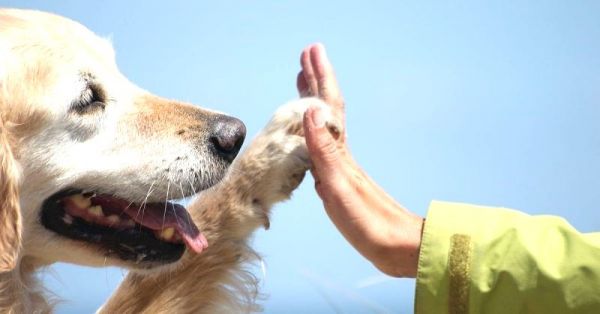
pixel 372 221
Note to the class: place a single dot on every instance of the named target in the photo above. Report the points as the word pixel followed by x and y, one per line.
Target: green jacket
pixel 489 260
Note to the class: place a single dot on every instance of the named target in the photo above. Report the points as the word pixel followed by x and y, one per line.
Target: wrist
pixel 382 230
pixel 399 256
pixel 392 234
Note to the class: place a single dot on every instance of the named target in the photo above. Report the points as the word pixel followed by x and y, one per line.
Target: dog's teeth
pixel 167 233
pixel 81 201
pixel 113 219
pixel 96 210
pixel 68 219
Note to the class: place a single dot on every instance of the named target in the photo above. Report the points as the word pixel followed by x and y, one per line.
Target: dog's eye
pixel 91 100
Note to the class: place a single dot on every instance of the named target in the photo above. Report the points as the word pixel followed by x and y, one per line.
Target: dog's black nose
pixel 228 136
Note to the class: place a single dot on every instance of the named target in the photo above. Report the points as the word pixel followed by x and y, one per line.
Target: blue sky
pixel 493 103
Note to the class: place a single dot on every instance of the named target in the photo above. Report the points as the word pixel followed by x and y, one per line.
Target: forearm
pixel 381 229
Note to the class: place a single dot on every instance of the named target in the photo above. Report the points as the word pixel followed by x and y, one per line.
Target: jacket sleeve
pixel 493 260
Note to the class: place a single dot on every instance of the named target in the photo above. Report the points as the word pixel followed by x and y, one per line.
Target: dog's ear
pixel 10 212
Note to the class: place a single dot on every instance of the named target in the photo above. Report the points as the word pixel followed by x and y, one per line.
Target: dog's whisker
pixel 166 202
pixel 150 189
pixel 187 217
pixel 142 207
pixel 181 190
pixel 191 185
pixel 172 208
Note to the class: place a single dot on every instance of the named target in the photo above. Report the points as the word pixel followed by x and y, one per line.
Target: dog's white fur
pixel 132 149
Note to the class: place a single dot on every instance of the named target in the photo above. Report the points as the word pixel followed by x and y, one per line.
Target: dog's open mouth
pixel 152 232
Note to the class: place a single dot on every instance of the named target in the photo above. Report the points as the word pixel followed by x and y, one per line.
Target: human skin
pixel 375 224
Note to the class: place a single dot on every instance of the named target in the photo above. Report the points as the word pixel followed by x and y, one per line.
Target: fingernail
pixel 318 117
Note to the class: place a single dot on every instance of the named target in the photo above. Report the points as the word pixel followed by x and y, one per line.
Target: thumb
pixel 322 146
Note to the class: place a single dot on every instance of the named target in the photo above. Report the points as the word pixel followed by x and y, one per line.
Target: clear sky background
pixel 486 102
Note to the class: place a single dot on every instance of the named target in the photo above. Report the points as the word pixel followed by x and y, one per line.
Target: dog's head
pixel 91 159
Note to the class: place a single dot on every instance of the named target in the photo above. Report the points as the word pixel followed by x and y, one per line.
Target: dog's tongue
pixel 157 216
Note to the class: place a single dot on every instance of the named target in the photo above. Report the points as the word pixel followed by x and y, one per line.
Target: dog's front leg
pixel 215 281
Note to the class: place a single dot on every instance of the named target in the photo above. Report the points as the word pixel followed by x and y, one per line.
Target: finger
pixel 322 147
pixel 309 73
pixel 302 86
pixel 327 85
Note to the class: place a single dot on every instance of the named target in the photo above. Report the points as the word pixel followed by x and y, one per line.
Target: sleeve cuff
pixel 448 251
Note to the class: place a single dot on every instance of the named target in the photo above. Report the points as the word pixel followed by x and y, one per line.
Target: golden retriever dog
pixel 89 164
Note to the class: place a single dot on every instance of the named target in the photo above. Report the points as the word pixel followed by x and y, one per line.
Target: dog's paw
pixel 276 161
pixel 285 134
pixel 289 160
pixel 288 118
